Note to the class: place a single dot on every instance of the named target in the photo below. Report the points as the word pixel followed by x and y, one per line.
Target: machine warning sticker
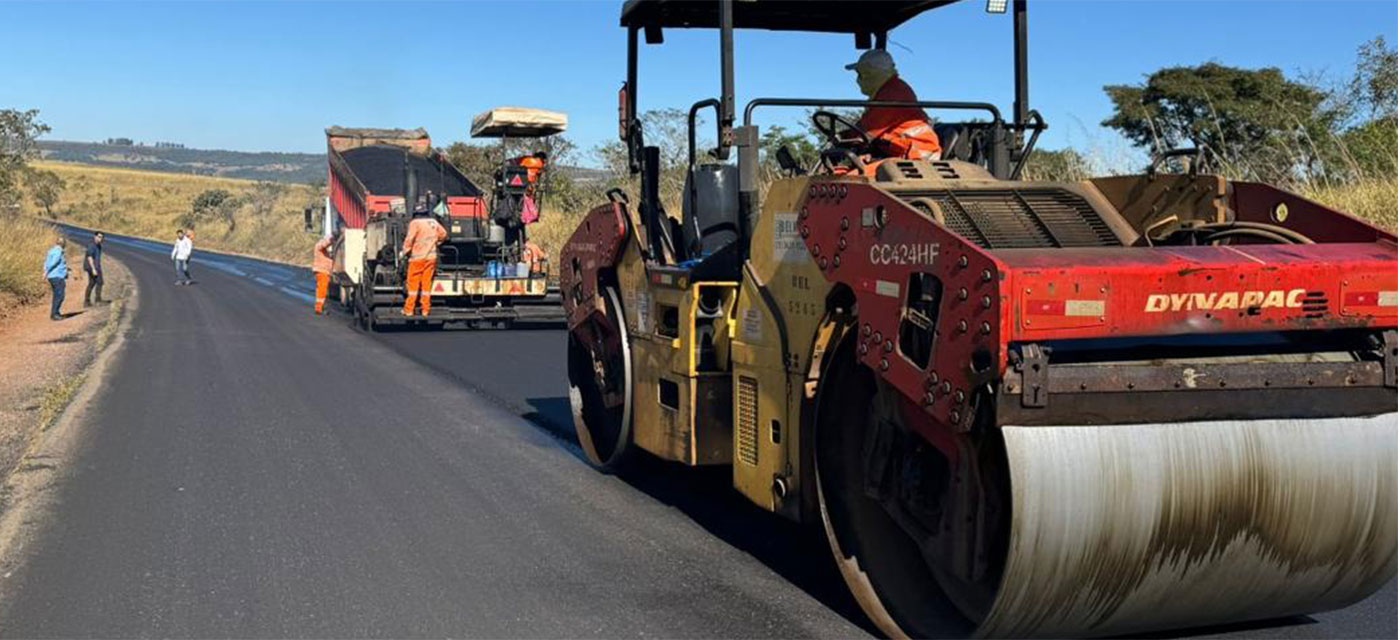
pixel 787 241
pixel 643 306
pixel 1084 308
pixel 753 325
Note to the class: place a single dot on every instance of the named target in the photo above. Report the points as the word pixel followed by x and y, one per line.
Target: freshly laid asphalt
pixel 254 471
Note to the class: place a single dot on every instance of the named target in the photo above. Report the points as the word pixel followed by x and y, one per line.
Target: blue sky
pixel 271 75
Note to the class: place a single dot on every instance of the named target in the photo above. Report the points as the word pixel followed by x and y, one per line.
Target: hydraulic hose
pixel 1248 232
pixel 1293 236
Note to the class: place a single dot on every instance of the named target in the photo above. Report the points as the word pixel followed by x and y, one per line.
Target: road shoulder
pixel 52 370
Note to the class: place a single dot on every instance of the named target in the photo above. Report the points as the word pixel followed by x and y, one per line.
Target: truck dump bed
pixel 367 173
pixel 380 168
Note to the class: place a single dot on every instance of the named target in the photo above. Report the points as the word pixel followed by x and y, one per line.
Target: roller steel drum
pixel 1126 528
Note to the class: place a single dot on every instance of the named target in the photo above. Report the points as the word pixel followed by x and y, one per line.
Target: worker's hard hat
pixel 873 60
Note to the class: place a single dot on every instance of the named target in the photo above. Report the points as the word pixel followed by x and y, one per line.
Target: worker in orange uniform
pixel 534 256
pixel 420 247
pixel 534 167
pixel 322 261
pixel 897 132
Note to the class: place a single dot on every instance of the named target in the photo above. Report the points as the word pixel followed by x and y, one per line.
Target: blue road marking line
pixel 226 264
pixel 298 294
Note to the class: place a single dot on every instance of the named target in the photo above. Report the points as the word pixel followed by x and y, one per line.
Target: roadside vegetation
pixel 260 218
pixel 1332 140
pixel 23 241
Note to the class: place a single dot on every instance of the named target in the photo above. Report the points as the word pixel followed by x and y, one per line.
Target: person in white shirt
pixel 181 255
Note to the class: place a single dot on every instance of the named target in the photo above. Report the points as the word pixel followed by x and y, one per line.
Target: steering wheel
pixel 846 142
pixel 840 132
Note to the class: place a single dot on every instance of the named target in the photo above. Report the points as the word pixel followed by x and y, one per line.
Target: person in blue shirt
pixel 56 271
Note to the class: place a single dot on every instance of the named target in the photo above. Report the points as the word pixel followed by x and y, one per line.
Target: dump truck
pixel 376 178
pixel 1015 408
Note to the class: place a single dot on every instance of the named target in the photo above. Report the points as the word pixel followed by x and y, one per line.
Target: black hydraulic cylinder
pixel 651 201
pixel 1022 106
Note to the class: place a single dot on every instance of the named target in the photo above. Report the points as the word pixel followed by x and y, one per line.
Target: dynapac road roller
pixel 1016 408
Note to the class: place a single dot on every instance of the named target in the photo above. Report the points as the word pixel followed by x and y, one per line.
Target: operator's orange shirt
pixel 423 237
pixel 903 132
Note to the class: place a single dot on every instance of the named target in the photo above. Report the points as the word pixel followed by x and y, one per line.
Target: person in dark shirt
pixel 92 265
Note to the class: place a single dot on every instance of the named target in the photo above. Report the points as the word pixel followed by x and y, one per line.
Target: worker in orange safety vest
pixel 322 260
pixel 420 247
pixel 897 132
pixel 534 256
pixel 534 166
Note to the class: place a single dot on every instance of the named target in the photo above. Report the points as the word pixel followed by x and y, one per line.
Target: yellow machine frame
pixel 680 413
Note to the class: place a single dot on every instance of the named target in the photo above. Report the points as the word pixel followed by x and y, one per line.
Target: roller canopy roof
pixel 836 16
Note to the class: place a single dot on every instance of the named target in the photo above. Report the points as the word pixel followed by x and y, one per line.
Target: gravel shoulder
pixel 47 367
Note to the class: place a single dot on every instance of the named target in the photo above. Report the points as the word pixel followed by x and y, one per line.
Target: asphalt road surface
pixel 254 471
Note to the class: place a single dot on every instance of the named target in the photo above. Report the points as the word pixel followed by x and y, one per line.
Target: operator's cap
pixel 873 60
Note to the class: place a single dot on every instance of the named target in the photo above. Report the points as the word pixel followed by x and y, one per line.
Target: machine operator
pixel 896 132
pixel 534 167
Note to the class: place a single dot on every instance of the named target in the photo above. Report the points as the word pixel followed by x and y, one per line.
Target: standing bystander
pixel 56 271
pixel 92 265
pixel 181 255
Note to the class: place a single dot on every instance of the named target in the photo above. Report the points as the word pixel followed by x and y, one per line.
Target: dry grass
pixel 23 243
pixel 1371 199
pixel 553 230
pixel 152 204
pixel 114 318
pixel 56 399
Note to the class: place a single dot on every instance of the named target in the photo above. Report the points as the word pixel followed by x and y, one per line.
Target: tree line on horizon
pixel 1249 124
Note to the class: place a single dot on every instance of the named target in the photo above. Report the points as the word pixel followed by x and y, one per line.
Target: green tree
pixel 44 187
pixel 802 146
pixel 1370 99
pixel 1374 81
pixel 213 204
pixel 1252 122
pixel 19 134
pixel 480 162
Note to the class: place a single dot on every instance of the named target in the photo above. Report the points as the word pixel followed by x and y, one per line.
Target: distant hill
pixel 302 168
pixel 263 165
